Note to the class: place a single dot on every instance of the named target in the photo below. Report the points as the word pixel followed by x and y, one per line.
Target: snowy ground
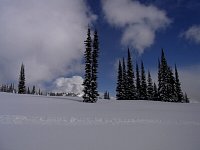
pixel 65 123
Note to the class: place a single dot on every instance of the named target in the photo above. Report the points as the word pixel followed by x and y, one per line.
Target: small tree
pixel 28 91
pixel 186 99
pixel 21 85
pixel 33 90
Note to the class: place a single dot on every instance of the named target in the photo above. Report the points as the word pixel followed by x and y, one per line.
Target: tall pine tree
pixel 88 75
pixel 178 91
pixel 131 93
pixel 163 78
pixel 138 85
pixel 155 93
pixel 21 85
pixel 95 54
pixel 124 80
pixel 143 89
pixel 119 89
pixel 150 87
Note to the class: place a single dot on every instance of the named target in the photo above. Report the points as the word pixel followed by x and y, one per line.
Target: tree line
pixel 138 86
pixel 22 89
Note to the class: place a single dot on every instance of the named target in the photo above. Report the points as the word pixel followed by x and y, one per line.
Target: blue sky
pixel 48 35
pixel 178 49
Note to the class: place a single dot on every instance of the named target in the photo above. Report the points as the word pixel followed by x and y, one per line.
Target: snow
pixel 57 123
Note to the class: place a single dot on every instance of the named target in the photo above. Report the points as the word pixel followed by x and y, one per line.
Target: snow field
pixel 49 123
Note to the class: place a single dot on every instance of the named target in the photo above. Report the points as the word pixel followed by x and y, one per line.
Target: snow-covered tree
pixel 21 85
pixel 95 54
pixel 88 74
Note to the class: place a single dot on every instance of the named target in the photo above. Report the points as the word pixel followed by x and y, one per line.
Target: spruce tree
pixel 155 93
pixel 138 85
pixel 33 90
pixel 106 95
pixel 143 83
pixel 21 85
pixel 119 88
pixel 124 80
pixel 170 86
pixel 178 91
pixel 150 87
pixel 186 99
pixel 95 54
pixel 28 91
pixel 163 72
pixel 131 93
pixel 88 67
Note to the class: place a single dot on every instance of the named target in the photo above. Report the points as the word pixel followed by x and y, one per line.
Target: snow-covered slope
pixel 65 123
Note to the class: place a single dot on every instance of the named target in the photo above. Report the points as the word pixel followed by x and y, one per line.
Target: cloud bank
pixel 46 35
pixel 189 77
pixel 69 85
pixel 192 34
pixel 139 22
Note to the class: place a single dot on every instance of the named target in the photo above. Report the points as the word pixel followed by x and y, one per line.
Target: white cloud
pixel 46 35
pixel 192 34
pixel 139 22
pixel 67 85
pixel 189 77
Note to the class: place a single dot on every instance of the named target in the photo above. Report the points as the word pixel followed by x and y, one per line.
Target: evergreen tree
pixel 131 93
pixel 105 95
pixel 138 85
pixel 88 67
pixel 143 83
pixel 171 86
pixel 119 88
pixel 178 91
pixel 155 93
pixel 159 79
pixel 28 91
pixel 150 87
pixel 163 72
pixel 33 90
pixel 186 99
pixel 124 81
pixel 21 85
pixel 95 54
pixel 108 95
